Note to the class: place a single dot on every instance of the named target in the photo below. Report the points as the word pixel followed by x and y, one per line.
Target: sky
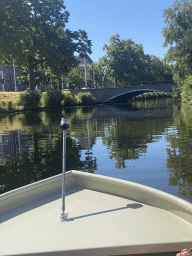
pixel 139 20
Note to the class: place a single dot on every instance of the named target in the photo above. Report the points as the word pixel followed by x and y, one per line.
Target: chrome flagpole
pixel 64 125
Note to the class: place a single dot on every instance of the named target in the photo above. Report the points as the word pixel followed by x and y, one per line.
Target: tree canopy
pixel 178 35
pixel 126 62
pixel 33 34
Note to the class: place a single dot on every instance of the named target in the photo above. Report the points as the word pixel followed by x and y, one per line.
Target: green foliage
pixel 177 93
pixel 102 73
pixel 186 95
pixel 123 59
pixel 51 99
pixel 178 35
pixel 9 102
pixel 186 111
pixel 75 77
pixel 10 105
pixel 30 100
pixel 126 62
pixel 6 107
pixel 85 98
pixel 37 28
pixel 150 95
pixel 39 77
pixel 69 100
pixel 180 151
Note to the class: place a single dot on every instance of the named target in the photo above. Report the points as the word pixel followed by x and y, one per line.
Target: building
pixel 84 61
pixel 12 143
pixel 7 73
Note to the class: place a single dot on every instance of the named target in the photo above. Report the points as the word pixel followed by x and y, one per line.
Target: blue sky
pixel 139 20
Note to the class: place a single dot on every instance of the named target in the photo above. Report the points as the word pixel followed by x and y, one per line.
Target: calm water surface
pixel 149 143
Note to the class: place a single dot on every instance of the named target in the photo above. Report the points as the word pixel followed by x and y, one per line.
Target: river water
pixel 149 143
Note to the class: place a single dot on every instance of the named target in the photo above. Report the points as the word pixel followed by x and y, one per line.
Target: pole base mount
pixel 64 216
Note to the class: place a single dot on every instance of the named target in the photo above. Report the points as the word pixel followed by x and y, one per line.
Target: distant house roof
pixel 88 60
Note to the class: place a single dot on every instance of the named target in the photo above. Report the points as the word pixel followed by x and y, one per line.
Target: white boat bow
pixel 107 216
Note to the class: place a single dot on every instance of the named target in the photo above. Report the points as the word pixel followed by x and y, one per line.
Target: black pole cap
pixel 64 123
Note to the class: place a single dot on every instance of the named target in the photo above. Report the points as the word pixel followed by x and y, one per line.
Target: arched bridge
pixel 123 94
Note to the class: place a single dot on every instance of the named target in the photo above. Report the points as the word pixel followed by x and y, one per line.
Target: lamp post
pixel 94 77
pixel 103 80
pixel 85 68
pixel 14 75
pixel 64 125
pixel 62 83
pixel 2 81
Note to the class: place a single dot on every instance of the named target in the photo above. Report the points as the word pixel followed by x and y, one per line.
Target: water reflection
pixel 179 153
pixel 152 104
pixel 150 145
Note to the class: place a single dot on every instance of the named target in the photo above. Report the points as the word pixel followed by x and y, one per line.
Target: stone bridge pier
pixel 123 94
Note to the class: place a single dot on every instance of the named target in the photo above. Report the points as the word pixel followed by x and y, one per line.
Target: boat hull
pixel 107 216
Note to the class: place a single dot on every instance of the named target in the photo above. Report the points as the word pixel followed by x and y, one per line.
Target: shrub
pixel 149 95
pixel 85 98
pixel 10 105
pixel 69 100
pixel 29 100
pixel 52 99
pixel 3 103
pixel 177 94
pixel 186 94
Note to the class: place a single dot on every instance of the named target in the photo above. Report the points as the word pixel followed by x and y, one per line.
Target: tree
pixel 40 77
pixel 125 59
pixel 178 35
pixel 76 77
pixel 160 72
pixel 102 73
pixel 37 28
pixel 126 62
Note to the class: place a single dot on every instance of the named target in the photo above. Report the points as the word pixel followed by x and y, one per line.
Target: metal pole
pixel 3 87
pixel 14 75
pixel 85 68
pixel 94 77
pixel 64 126
pixel 62 83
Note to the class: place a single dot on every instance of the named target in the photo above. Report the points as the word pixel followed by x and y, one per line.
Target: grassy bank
pixel 11 102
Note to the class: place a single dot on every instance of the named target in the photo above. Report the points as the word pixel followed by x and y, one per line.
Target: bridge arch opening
pixel 123 97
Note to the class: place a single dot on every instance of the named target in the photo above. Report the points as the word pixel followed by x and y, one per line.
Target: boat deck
pixel 98 224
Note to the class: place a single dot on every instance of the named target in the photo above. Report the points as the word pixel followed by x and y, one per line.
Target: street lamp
pixel 85 68
pixel 2 81
pixel 14 75
pixel 62 83
pixel 103 80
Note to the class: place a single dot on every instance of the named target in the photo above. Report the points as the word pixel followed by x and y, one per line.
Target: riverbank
pixel 9 102
pixel 14 102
